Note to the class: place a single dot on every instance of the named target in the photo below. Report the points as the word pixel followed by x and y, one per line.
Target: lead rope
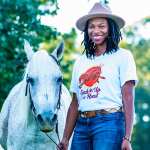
pixel 53 141
pixel 57 133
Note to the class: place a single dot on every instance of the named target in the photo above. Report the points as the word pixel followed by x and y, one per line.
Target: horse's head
pixel 44 80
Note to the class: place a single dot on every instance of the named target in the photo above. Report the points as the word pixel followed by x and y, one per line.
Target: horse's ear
pixel 59 51
pixel 28 49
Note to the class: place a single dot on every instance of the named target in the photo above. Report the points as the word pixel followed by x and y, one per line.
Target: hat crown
pixel 99 8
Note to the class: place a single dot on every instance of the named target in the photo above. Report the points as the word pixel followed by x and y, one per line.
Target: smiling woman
pixel 103 86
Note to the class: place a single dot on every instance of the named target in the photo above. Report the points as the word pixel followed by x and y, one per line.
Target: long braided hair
pixel 113 39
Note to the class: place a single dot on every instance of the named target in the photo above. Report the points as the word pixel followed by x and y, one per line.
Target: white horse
pixel 37 105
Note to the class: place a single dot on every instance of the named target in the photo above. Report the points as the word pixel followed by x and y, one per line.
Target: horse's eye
pixel 30 80
pixel 59 80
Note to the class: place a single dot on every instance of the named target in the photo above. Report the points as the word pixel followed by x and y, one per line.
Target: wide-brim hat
pixel 99 10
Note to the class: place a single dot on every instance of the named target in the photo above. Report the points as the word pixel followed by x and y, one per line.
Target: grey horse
pixel 34 113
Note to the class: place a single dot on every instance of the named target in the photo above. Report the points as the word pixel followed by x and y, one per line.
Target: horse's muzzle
pixel 47 124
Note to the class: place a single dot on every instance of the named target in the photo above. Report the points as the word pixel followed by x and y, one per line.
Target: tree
pixel 20 20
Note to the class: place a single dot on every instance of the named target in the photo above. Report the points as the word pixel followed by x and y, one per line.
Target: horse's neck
pixel 65 97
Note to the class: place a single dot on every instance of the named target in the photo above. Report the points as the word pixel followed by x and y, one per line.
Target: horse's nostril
pixel 54 118
pixel 39 118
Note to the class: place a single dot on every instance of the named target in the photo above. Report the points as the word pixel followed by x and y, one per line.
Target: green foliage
pixel 19 20
pixel 69 56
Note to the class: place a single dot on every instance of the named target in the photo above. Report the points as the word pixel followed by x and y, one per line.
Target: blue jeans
pixel 102 132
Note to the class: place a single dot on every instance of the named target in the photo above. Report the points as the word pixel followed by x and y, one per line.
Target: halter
pixel 60 91
pixel 28 82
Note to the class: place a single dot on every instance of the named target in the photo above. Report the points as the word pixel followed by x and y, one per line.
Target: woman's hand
pixel 63 145
pixel 126 145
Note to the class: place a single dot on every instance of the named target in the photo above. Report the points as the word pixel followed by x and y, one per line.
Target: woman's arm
pixel 128 106
pixel 70 122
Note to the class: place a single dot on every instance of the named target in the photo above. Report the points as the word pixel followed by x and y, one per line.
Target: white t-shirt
pixel 97 82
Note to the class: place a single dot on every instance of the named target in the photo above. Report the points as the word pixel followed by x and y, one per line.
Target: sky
pixel 70 10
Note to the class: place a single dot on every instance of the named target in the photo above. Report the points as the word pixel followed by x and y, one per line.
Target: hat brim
pixel 81 22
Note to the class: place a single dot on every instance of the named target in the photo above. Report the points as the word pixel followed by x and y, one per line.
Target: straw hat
pixel 99 10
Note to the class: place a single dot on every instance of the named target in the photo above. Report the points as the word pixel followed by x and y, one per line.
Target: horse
pixel 34 113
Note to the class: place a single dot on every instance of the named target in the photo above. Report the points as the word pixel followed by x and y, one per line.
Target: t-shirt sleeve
pixel 74 82
pixel 128 69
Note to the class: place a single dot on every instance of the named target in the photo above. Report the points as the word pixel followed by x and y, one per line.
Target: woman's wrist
pixel 65 138
pixel 127 139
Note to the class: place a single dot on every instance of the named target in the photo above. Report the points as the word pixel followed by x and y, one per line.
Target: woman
pixel 103 81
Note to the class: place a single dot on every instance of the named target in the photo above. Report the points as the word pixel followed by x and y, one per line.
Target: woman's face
pixel 98 30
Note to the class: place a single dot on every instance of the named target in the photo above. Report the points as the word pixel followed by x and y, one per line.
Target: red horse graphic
pixel 91 76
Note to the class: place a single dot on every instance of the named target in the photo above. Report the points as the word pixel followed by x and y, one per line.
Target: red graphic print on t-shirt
pixel 91 76
pixel 88 79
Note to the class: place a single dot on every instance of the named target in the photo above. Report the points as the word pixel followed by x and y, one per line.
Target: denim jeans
pixel 102 132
